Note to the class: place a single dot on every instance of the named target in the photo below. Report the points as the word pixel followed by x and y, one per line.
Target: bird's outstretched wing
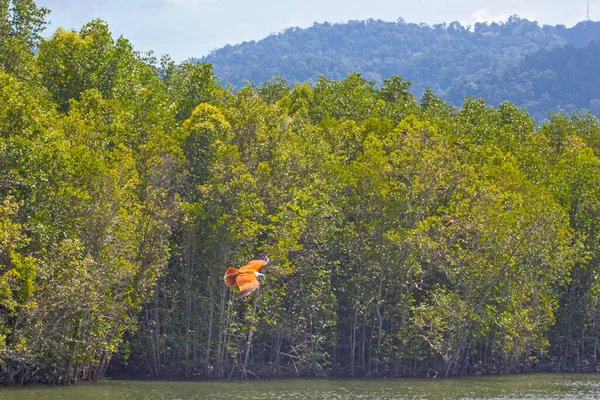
pixel 254 265
pixel 230 276
pixel 247 282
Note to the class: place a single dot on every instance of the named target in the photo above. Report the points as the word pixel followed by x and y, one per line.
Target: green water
pixel 542 386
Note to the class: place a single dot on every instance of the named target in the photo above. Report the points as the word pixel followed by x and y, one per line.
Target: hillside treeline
pixel 436 55
pixel 547 80
pixel 406 237
pixel 518 60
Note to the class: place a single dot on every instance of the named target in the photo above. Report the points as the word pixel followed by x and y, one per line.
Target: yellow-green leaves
pixel 17 270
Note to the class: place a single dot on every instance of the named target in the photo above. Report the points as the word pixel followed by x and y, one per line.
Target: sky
pixel 192 28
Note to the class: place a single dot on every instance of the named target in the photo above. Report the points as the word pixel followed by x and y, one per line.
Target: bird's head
pixel 259 276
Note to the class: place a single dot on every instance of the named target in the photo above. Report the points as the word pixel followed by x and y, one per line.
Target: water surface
pixel 531 387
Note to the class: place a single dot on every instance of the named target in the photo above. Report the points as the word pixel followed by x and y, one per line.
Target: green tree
pixel 21 25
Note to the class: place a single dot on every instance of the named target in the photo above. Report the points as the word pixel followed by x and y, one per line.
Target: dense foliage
pixel 562 78
pixel 407 237
pixel 454 60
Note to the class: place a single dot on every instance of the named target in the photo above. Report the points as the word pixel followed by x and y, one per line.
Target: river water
pixel 539 386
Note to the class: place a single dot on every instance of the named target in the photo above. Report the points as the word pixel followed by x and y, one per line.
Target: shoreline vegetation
pixel 407 238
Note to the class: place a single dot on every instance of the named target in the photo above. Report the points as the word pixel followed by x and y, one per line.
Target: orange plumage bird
pixel 247 277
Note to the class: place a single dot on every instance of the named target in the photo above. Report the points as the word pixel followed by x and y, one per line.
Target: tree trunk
pixel 209 339
pixel 353 343
pixel 250 336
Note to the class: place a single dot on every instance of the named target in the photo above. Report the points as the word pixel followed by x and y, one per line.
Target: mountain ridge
pixel 441 56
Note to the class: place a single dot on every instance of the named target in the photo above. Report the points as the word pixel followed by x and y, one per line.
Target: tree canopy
pixel 407 237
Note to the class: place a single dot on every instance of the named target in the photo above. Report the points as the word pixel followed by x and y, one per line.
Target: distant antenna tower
pixel 588 10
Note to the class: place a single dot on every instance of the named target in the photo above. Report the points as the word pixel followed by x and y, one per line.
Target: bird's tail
pixel 230 276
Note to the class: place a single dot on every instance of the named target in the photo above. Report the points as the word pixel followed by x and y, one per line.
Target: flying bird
pixel 247 278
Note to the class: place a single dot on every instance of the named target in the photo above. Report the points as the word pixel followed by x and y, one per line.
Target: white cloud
pixel 485 15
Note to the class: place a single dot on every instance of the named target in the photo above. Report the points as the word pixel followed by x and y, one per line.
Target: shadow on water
pixel 539 386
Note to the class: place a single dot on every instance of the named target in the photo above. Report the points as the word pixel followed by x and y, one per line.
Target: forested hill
pixel 439 56
pixel 562 78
